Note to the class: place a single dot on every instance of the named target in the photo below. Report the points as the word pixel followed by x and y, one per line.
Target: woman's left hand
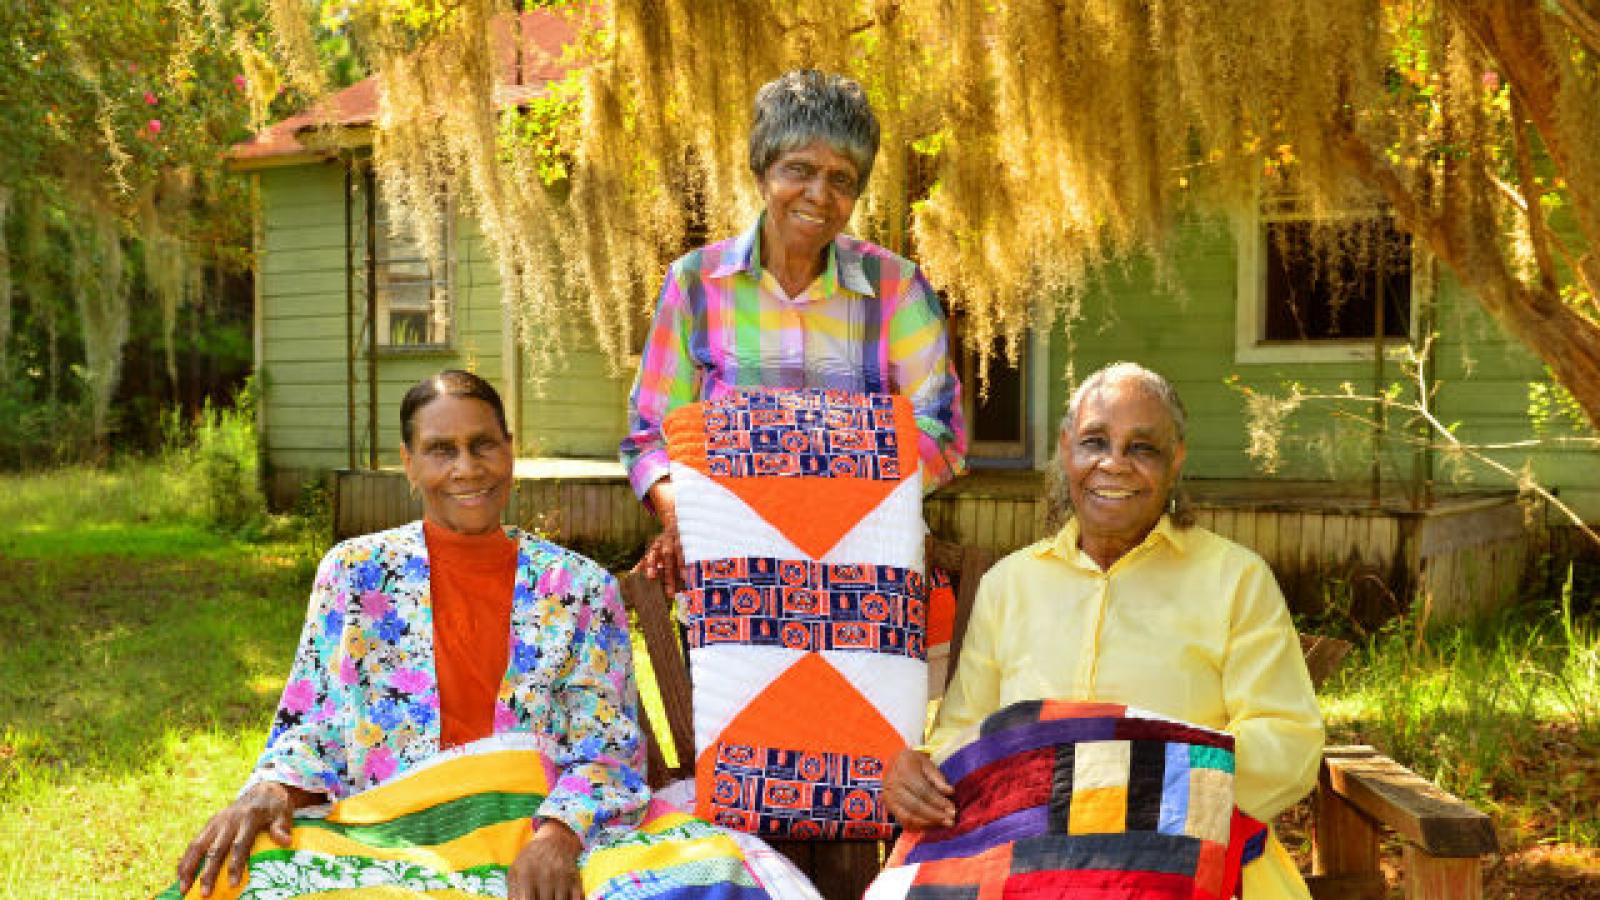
pixel 547 868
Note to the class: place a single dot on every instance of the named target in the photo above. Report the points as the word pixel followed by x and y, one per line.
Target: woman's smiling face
pixel 1122 459
pixel 461 461
pixel 810 193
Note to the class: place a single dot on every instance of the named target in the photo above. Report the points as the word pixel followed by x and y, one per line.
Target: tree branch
pixel 1538 234
pixel 1584 25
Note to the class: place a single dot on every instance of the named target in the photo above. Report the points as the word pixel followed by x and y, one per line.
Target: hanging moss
pixel 1061 134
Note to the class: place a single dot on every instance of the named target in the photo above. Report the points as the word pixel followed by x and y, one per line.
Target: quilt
pixel 800 513
pixel 1074 799
pixel 451 829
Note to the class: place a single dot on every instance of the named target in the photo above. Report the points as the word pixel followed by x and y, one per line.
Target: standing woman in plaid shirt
pixel 793 302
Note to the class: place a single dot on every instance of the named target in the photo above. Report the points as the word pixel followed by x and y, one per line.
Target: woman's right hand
pixel 917 794
pixel 269 806
pixel 663 561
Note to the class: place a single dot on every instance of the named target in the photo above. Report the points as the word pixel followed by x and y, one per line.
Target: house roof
pixel 529 59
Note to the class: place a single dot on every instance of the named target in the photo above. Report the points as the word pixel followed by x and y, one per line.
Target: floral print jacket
pixel 362 704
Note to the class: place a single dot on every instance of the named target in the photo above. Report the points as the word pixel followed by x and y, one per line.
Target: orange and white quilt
pixel 800 513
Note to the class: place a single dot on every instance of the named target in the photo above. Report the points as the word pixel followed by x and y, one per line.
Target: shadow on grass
pixel 103 657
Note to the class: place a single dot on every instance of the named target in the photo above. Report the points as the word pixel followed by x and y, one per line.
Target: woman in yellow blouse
pixel 1130 603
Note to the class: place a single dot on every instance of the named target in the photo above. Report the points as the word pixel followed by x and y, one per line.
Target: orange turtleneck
pixel 471 579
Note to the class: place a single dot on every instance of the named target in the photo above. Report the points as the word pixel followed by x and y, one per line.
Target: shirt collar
pixel 843 269
pixel 1064 545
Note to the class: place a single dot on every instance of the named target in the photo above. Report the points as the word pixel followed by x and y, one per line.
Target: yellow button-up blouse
pixel 1187 624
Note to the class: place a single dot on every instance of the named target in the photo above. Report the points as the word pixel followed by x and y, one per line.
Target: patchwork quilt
pixel 1057 799
pixel 800 513
pixel 452 828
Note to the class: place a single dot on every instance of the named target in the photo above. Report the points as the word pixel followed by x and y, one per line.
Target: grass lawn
pixel 141 656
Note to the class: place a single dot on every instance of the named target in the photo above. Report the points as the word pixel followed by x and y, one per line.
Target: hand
pixel 229 835
pixel 917 794
pixel 547 868
pixel 663 561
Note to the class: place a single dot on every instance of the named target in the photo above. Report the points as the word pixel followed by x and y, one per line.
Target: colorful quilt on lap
pixel 1059 799
pixel 453 828
pixel 800 513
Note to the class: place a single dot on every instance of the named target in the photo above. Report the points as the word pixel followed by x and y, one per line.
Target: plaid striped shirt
pixel 869 323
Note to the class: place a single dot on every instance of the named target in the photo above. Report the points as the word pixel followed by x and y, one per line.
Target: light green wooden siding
pixel 1189 338
pixel 302 289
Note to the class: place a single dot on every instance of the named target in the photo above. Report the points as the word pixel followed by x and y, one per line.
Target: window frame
pixel 384 239
pixel 1250 344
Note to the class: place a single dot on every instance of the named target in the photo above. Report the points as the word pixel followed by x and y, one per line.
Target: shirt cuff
pixel 649 468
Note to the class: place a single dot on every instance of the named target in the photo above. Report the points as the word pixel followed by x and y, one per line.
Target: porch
pixel 1335 551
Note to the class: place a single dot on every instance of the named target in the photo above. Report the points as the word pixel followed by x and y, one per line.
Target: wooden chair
pixel 1361 794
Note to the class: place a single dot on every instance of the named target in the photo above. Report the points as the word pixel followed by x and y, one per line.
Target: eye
pixel 1092 442
pixel 842 183
pixel 441 451
pixel 798 171
pixel 483 445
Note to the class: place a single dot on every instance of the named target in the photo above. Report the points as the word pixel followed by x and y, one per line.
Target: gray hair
pixel 805 105
pixel 1058 495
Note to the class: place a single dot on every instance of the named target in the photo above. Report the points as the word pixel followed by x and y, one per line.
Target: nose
pixel 466 464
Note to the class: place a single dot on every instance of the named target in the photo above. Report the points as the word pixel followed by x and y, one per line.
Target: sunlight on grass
pixel 1504 713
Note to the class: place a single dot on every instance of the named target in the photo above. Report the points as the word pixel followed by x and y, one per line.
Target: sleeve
pixel 1272 708
pixel 922 370
pixel 666 380
pixel 304 748
pixel 974 692
pixel 600 790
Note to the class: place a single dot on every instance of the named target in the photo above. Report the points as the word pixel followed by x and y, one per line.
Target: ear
pixel 1179 454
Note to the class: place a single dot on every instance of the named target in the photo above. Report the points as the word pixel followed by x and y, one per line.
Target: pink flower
pixel 1491 80
pixel 347 671
pixel 297 696
pixel 374 604
pixel 239 82
pixel 150 99
pixel 410 681
pixel 380 764
pixel 153 126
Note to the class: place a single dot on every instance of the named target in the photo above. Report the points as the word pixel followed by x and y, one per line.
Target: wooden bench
pixel 1361 794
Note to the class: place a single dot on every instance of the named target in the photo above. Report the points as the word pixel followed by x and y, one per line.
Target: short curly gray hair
pixel 805 105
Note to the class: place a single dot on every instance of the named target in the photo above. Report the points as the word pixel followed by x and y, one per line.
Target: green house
pixel 341 333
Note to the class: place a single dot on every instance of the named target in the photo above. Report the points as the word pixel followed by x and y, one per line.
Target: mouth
pixel 809 218
pixel 471 496
pixel 1112 493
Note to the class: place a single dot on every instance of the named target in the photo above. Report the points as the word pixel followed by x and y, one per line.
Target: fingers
pixel 918 794
pixel 215 854
pixel 192 857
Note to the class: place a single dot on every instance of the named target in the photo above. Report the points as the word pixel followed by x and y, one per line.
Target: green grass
pixel 1504 713
pixel 140 658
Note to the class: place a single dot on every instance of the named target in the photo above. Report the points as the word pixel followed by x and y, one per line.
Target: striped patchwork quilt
pixel 800 513
pixel 1059 799
pixel 452 828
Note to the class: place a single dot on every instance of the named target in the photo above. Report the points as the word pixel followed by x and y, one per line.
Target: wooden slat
pixel 654 613
pixel 1324 656
pixel 1370 886
pixel 1413 807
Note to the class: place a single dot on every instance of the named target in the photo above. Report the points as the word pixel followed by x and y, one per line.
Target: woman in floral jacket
pixel 405 653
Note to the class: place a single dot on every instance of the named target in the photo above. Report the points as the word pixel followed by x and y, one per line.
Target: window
pixel 1305 300
pixel 998 427
pixel 415 306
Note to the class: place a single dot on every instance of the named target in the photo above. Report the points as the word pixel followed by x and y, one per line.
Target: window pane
pixel 998 417
pixel 1332 292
